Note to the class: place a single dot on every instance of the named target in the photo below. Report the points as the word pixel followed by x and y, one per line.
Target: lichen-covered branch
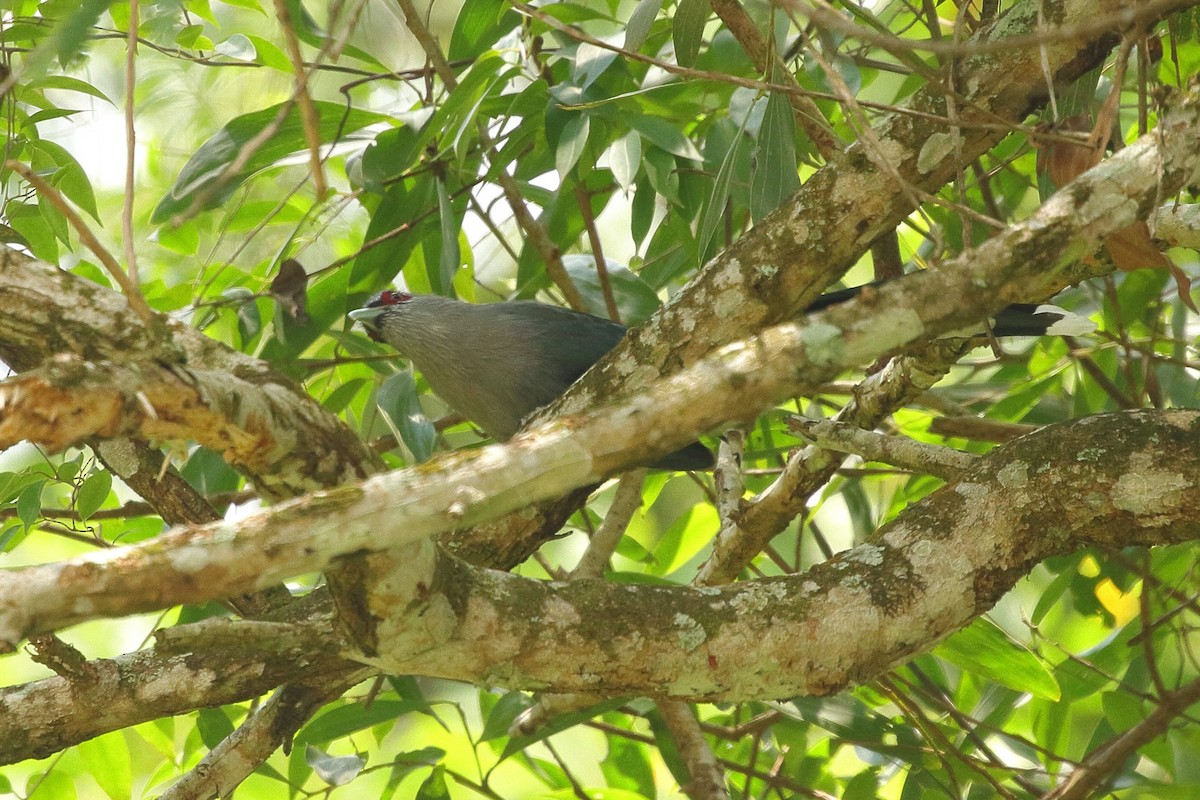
pixel 47 314
pixel 930 571
pixel 778 268
pixel 933 569
pixel 43 717
pixel 67 401
pixel 733 384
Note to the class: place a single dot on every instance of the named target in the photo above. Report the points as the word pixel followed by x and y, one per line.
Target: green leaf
pixel 775 175
pixel 29 124
pixel 714 213
pixel 686 537
pixel 571 143
pixel 208 473
pixel 569 793
pixel 238 47
pixel 213 725
pixel 635 300
pixel 985 650
pixel 450 254
pixel 69 84
pixel 405 763
pixel 310 33
pixel 506 710
pixel 642 208
pixel 625 159
pixel 478 27
pixel 202 9
pixel 107 759
pixel 189 35
pixel 67 470
pixel 339 398
pixel 393 153
pixel 58 784
pixel 200 176
pixel 11 483
pixel 92 493
pixel 668 749
pixel 27 220
pixel 663 174
pixel 397 400
pixel 68 36
pixel 590 63
pixel 253 5
pixel 29 503
pixel 434 787
pixel 12 535
pixel 68 176
pixel 687 30
pixel 627 766
pixel 55 219
pixel 270 55
pixel 353 717
pixel 664 135
pixel 184 239
pixel 640 22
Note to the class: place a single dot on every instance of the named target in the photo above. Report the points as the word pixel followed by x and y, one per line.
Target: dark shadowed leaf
pixel 398 401
pixel 201 175
pixel 775 177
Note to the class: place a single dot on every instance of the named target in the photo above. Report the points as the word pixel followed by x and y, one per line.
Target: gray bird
pixel 497 363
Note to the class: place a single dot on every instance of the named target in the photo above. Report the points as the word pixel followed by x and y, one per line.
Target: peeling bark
pixel 99 367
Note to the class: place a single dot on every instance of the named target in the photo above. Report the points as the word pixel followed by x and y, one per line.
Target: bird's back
pixel 521 355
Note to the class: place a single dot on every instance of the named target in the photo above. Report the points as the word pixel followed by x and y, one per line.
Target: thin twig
pixel 308 112
pixel 708 779
pixel 626 500
pixel 584 199
pixel 131 263
pixel 768 63
pixel 534 230
pixel 1105 760
pixel 133 293
pixel 943 462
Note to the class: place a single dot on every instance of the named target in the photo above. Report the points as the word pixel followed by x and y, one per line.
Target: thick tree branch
pixel 42 717
pixel 939 564
pixel 733 384
pixel 742 536
pixel 933 569
pixel 47 313
pixel 730 385
pixel 255 426
pixel 777 269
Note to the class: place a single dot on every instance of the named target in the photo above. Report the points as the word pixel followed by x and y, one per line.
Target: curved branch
pixel 942 562
pixel 776 270
pixel 43 717
pixel 732 384
pixel 933 569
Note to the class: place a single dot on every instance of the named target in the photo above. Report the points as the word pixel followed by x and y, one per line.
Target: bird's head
pixel 374 314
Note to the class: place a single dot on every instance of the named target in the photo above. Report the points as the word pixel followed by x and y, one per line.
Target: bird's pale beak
pixel 366 314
